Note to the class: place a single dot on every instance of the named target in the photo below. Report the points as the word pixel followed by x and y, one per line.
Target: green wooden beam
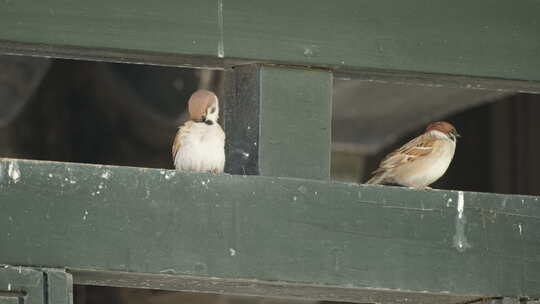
pixel 182 27
pixel 484 38
pixel 487 38
pixel 273 114
pixel 268 229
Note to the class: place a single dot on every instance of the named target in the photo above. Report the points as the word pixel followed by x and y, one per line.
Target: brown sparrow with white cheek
pixel 421 161
pixel 199 145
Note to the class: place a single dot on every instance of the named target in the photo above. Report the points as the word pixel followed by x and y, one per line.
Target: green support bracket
pixel 278 121
pixel 24 285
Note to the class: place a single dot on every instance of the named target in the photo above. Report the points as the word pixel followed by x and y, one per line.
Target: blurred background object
pixel 19 78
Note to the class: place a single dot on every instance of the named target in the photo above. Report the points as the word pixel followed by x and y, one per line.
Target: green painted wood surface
pixel 25 285
pixel 483 38
pixel 487 38
pixel 8 299
pixel 184 27
pixel 59 286
pixel 296 118
pixel 270 229
pixel 279 121
pixel 22 284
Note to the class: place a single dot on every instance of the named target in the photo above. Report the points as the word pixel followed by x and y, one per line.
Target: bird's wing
pixel 183 131
pixel 414 149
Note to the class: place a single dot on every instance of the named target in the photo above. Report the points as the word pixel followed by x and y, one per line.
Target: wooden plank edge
pixel 244 287
pixel 216 63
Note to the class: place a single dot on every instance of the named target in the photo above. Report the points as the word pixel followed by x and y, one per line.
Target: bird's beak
pixel 456 134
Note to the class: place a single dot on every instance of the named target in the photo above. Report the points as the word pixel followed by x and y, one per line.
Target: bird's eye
pixel 212 110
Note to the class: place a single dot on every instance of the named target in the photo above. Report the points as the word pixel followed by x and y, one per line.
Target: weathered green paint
pixel 483 38
pixel 183 27
pixel 25 285
pixel 296 115
pixel 269 229
pixel 9 299
pixel 21 283
pixel 59 286
pixel 279 121
pixel 486 38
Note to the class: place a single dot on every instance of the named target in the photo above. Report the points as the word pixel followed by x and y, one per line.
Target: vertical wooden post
pixel 59 286
pixel 278 121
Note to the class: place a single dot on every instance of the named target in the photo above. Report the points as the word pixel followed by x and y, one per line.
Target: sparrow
pixel 421 161
pixel 199 144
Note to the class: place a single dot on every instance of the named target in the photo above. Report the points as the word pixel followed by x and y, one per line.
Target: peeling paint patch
pixel 520 227
pixel 106 175
pixel 460 241
pixel 220 46
pixel 9 287
pixel 14 172
pixel 170 174
pixel 85 215
pixel 232 251
pixel 460 204
pixel 311 51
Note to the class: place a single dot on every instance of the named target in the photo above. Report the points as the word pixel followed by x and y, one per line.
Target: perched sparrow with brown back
pixel 199 145
pixel 421 161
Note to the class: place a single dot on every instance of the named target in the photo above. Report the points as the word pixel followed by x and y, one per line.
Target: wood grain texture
pixel 486 38
pixel 285 291
pixel 268 229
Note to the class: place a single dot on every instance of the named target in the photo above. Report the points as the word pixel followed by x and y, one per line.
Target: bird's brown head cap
pixel 199 102
pixel 444 127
